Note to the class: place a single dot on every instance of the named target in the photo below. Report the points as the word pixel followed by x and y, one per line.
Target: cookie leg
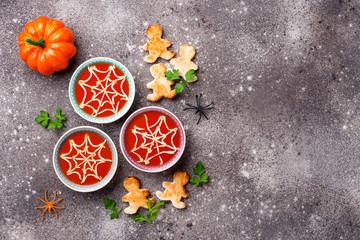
pixel 178 204
pixel 167 55
pixel 171 94
pixel 130 210
pixel 154 97
pixel 150 58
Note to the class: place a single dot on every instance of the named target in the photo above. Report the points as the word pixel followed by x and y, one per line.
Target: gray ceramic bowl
pixel 85 188
pixel 165 166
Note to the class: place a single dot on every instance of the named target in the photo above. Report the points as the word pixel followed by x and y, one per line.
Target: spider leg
pixel 189 108
pixel 54 196
pixel 43 214
pixel 45 196
pixel 205 115
pixel 42 200
pixel 58 207
pixel 191 105
pixel 58 200
pixel 199 118
pixel 198 99
pixel 209 105
pixel 57 217
pixel 41 207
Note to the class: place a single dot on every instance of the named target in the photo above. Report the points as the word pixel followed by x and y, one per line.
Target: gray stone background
pixel 281 145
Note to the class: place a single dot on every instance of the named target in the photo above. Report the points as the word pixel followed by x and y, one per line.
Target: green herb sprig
pixel 47 122
pixel 111 205
pixel 174 75
pixel 152 213
pixel 199 170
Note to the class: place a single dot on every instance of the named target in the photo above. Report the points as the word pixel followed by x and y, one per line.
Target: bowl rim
pixel 92 187
pixel 122 111
pixel 170 163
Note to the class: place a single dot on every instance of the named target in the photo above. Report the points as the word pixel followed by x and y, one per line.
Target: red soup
pixel 152 138
pixel 85 158
pixel 101 90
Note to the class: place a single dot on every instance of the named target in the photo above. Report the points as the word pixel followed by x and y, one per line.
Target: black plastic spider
pixel 200 109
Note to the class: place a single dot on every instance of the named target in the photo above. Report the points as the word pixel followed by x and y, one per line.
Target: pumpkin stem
pixel 40 42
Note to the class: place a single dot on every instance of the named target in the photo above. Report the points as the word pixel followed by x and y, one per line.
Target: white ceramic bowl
pixel 73 81
pixel 168 164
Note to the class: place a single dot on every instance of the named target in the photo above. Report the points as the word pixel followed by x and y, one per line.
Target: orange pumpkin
pixel 46 45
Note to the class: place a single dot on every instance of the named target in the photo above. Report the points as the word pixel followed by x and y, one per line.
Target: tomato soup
pixel 152 138
pixel 85 158
pixel 101 90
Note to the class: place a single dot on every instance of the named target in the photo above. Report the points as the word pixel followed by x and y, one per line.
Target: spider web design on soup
pixel 154 141
pixel 107 89
pixel 84 158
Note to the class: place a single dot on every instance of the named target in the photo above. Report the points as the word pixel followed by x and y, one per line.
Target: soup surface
pixel 85 158
pixel 101 90
pixel 152 138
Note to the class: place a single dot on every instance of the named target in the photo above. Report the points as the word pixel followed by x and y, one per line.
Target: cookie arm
pixel 146 46
pixel 174 61
pixel 161 195
pixel 150 58
pixel 193 66
pixel 125 198
pixel 167 42
pixel 167 55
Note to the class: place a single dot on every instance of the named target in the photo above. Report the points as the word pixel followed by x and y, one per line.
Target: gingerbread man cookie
pixel 160 85
pixel 174 191
pixel 184 63
pixel 136 197
pixel 157 47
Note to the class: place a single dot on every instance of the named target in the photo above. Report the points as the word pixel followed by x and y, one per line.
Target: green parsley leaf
pixel 44 114
pixel 39 119
pixel 139 218
pixel 172 75
pixel 58 115
pixel 195 181
pixel 47 122
pixel 158 205
pixel 111 205
pixel 190 74
pixel 199 170
pixel 114 215
pixel 204 178
pixel 52 124
pixel 179 87
pixel 152 213
pixel 148 203
pixel 153 216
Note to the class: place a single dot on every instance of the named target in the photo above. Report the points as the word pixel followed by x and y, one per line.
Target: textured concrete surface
pixel 281 146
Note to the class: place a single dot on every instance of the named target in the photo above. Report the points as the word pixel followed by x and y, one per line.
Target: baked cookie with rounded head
pixel 174 191
pixel 160 85
pixel 184 63
pixel 157 46
pixel 136 197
